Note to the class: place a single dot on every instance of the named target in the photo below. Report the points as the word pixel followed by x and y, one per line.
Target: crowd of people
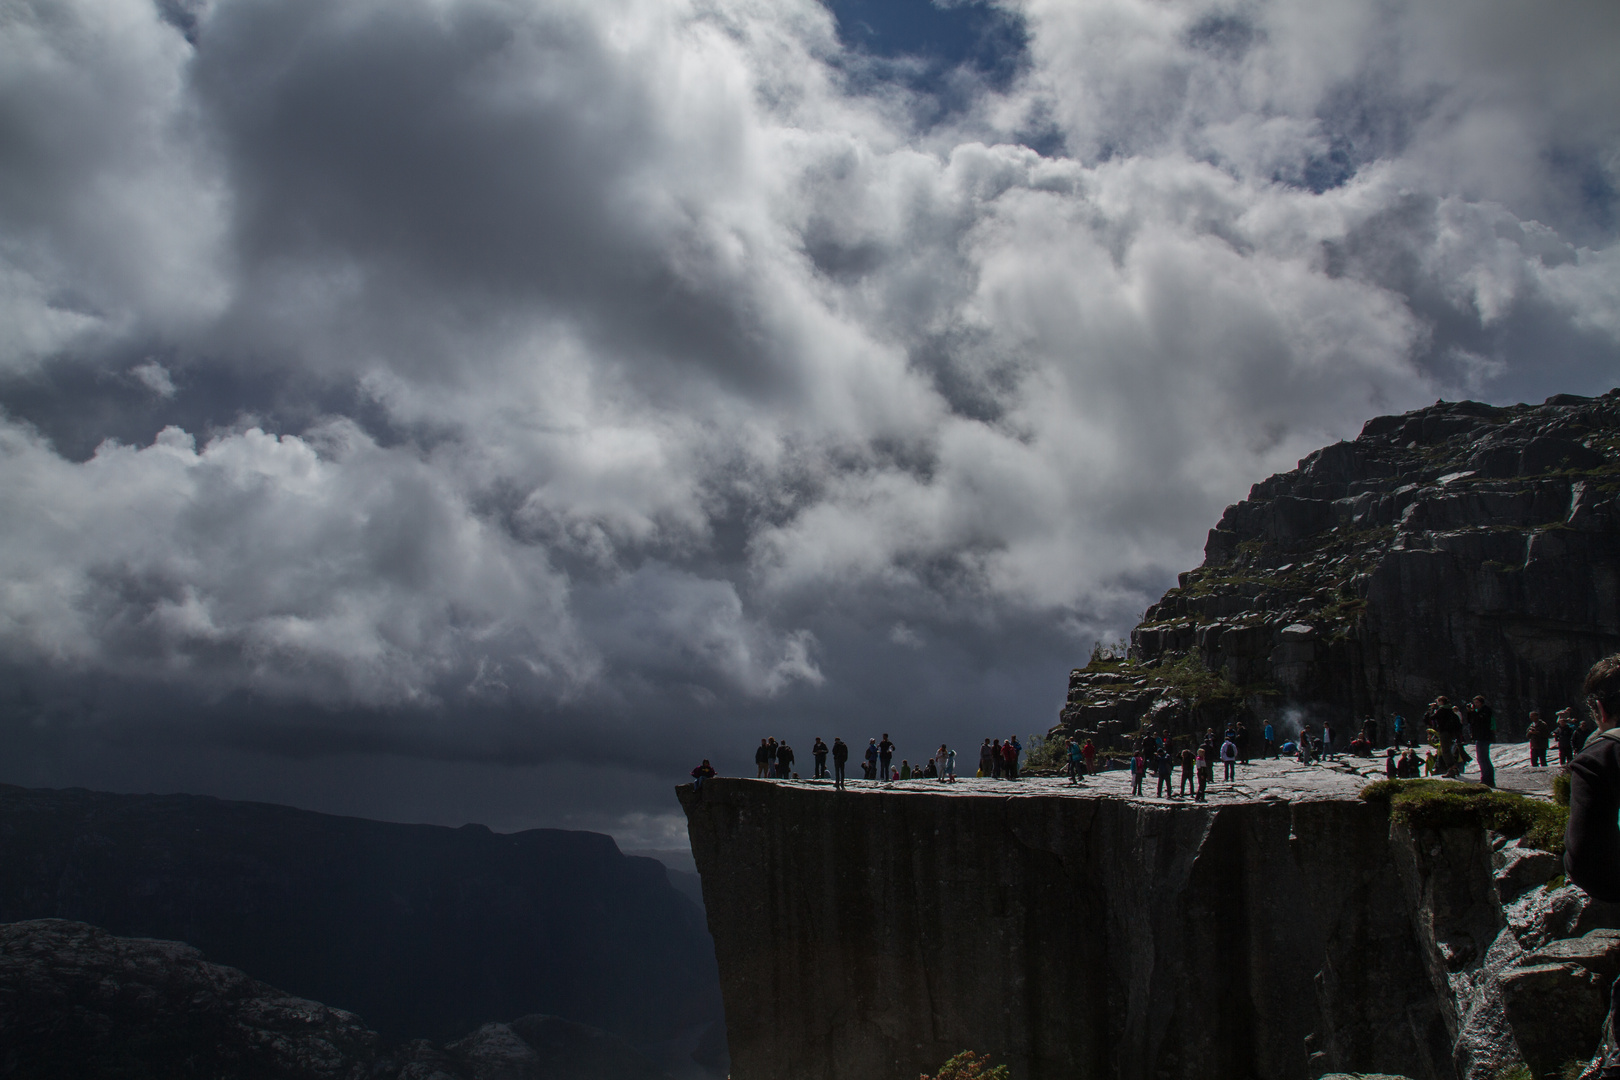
pixel 1450 730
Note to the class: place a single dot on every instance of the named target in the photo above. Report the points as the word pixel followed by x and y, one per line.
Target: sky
pixel 483 410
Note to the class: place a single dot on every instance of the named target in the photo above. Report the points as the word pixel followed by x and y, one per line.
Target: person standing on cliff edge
pixel 1592 837
pixel 840 754
pixel 885 750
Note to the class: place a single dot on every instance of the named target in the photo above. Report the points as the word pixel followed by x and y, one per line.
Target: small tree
pixel 969 1066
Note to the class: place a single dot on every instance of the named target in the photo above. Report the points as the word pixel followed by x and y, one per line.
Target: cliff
pixel 1461 549
pixel 78 1002
pixel 424 931
pixel 871 934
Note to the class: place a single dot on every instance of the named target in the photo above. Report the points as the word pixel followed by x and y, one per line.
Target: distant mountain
pixel 424 931
pixel 76 1001
pixel 1460 549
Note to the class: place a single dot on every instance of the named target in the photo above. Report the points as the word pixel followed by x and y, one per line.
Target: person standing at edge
pixel 840 754
pixel 700 774
pixel 1077 760
pixel 761 762
pixel 871 759
pixel 986 759
pixel 885 755
pixel 1089 751
pixel 819 752
pixel 784 761
pixel 1592 838
pixel 1482 729
pixel 997 758
pixel 1009 757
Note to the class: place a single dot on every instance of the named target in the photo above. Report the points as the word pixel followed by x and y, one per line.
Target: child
pixel 1431 764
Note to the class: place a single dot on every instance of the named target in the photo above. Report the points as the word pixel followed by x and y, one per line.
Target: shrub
pixel 1440 804
pixel 969 1066
pixel 1560 788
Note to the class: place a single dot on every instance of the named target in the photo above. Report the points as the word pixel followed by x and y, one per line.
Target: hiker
pixel 784 761
pixel 700 774
pixel 1564 734
pixel 1162 774
pixel 1089 752
pixel 1537 734
pixel 1482 729
pixel 987 759
pixel 885 750
pixel 1327 740
pixel 1397 725
pixel 1009 750
pixel 905 769
pixel 1187 760
pixel 871 764
pixel 819 752
pixel 840 754
pixel 949 774
pixel 1242 743
pixel 1390 770
pixel 1369 733
pixel 1205 772
pixel 1408 768
pixel 998 759
pixel 1138 770
pixel 761 761
pixel 1077 761
pixel 1592 838
pixel 1270 741
pixel 1229 759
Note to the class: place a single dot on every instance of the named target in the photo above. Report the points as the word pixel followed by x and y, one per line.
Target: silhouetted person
pixel 1187 762
pixel 840 754
pixel 871 759
pixel 700 774
pixel 784 761
pixel 1564 735
pixel 885 755
pixel 819 752
pixel 987 759
pixel 762 761
pixel 1592 838
pixel 1482 730
pixel 1206 772
pixel 997 758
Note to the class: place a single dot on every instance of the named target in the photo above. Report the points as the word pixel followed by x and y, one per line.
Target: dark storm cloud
pixel 478 407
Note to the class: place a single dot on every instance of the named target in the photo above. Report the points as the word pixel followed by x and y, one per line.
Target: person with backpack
pixel 1229 759
pixel 1077 761
pixel 1538 735
pixel 819 752
pixel 840 754
pixel 1592 837
pixel 1482 729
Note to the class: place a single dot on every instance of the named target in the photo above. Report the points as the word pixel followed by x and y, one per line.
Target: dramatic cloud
pixel 456 391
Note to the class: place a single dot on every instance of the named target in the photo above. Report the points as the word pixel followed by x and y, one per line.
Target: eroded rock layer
pixel 1461 549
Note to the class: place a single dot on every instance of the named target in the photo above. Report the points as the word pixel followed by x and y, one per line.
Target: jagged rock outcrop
pixel 871 934
pixel 76 1001
pixel 425 931
pixel 1460 549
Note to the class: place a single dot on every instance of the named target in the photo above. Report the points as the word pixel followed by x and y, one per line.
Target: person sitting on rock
pixel 1592 837
pixel 1409 768
pixel 1390 769
pixel 1442 718
pixel 700 774
pixel 1538 736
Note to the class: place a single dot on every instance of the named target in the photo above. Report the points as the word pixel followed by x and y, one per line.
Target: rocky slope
pixel 425 931
pixel 873 933
pixel 78 1002
pixel 1461 549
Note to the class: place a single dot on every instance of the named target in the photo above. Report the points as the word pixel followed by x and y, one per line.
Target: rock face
pixel 425 931
pixel 75 1001
pixel 872 934
pixel 1456 550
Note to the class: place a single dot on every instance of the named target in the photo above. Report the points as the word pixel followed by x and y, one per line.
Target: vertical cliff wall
pixel 869 935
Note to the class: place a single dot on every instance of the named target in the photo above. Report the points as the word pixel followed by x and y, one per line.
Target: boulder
pixel 1556 1012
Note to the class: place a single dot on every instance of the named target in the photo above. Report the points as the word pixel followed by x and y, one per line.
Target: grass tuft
pixel 1442 804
